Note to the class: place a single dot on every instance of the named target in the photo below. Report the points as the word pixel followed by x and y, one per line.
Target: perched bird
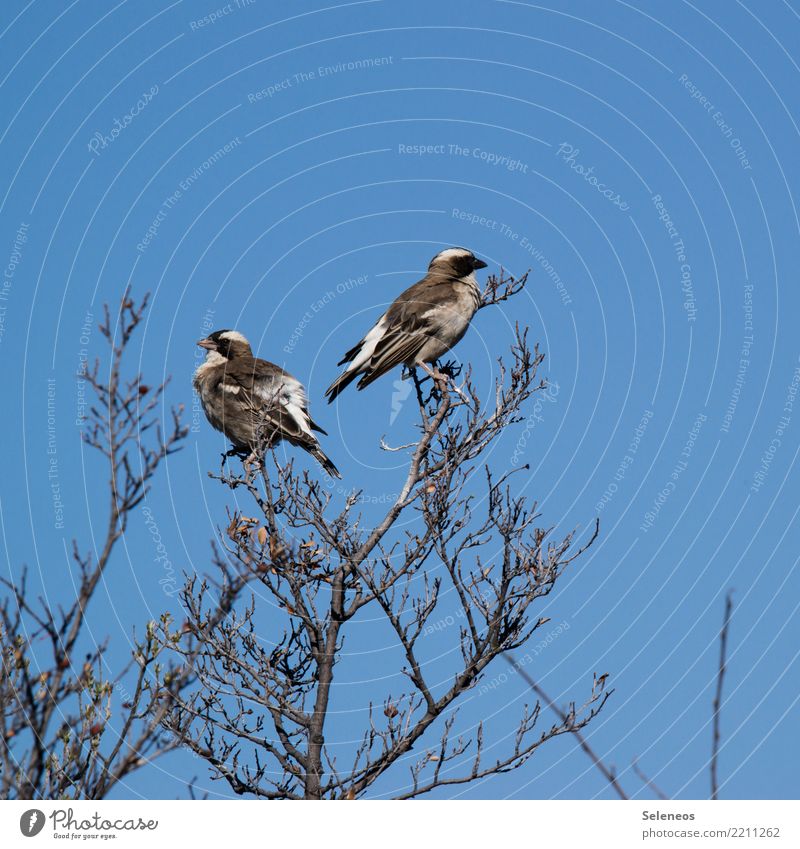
pixel 423 323
pixel 254 403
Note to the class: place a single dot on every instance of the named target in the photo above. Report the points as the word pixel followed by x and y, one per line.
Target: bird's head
pixel 225 345
pixel 455 262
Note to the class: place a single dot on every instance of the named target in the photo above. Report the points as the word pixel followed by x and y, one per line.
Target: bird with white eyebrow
pixel 422 324
pixel 255 403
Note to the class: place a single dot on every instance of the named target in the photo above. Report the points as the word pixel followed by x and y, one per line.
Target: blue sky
pixel 288 171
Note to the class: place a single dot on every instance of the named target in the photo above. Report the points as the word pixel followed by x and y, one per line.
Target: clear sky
pixel 287 170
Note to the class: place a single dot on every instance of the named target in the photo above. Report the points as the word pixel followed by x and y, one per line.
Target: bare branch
pixel 607 771
pixel 501 287
pixel 723 661
pixel 646 780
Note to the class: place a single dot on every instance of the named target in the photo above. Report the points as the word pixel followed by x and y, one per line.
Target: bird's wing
pixel 430 292
pixel 278 402
pixel 394 349
pixel 404 327
pixel 398 335
pixel 411 321
pixel 274 396
pixel 237 399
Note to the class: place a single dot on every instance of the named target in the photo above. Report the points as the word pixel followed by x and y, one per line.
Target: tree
pixel 258 713
pixel 59 738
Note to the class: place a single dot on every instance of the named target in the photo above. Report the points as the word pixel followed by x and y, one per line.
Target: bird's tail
pixel 341 382
pixel 322 458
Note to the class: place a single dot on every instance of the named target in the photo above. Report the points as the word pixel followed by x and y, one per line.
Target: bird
pixel 255 403
pixel 422 324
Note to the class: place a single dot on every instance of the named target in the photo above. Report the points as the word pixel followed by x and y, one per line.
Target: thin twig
pixel 648 781
pixel 723 660
pixel 386 447
pixel 607 771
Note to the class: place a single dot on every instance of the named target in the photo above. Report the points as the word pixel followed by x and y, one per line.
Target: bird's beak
pixel 479 263
pixel 208 344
